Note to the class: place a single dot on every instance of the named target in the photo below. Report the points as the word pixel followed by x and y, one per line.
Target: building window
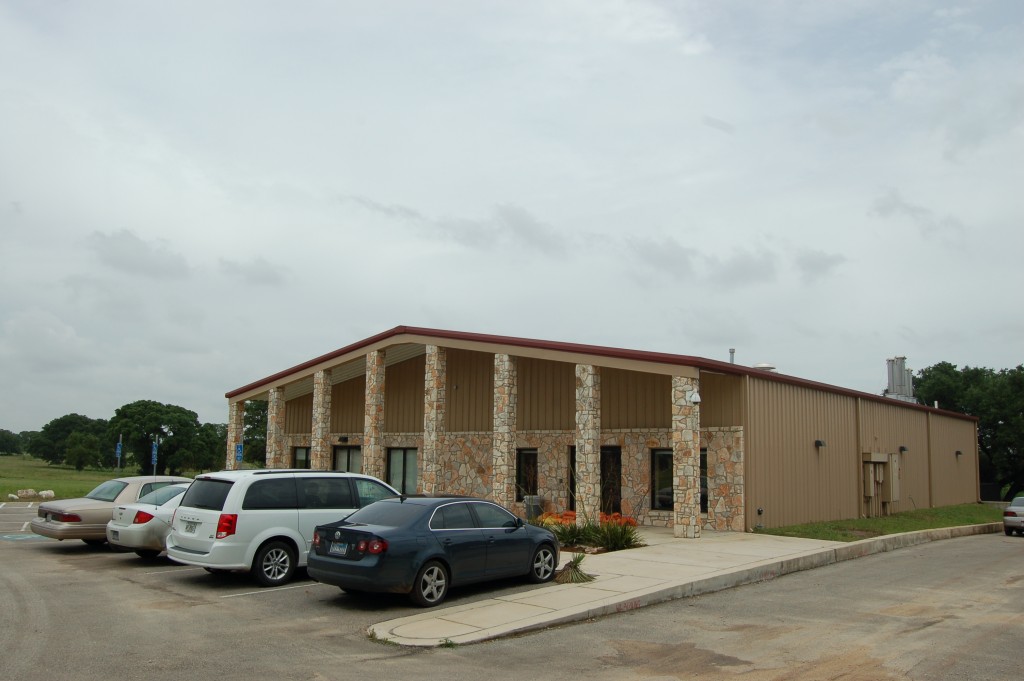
pixel 704 480
pixel 300 457
pixel 662 478
pixel 348 459
pixel 402 469
pixel 526 473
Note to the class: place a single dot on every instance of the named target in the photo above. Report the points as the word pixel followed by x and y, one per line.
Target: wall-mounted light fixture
pixel 903 449
pixel 819 444
pixel 343 439
pixel 696 397
pixel 958 453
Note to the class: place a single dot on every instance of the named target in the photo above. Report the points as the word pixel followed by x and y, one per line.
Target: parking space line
pixel 180 569
pixel 2 504
pixel 267 591
pixel 24 528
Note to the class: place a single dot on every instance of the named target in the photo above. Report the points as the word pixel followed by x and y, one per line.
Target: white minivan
pixel 263 520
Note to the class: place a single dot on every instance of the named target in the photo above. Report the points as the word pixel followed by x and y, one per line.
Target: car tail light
pixel 141 517
pixel 316 540
pixel 373 546
pixel 226 525
pixel 1010 514
pixel 67 518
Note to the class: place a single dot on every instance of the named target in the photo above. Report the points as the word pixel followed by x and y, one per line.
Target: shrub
pixel 616 537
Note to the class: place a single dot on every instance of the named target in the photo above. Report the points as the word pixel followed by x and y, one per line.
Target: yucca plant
pixel 616 537
pixel 572 573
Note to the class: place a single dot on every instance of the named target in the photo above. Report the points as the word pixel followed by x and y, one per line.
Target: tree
pixel 255 432
pixel 51 442
pixel 144 422
pixel 9 442
pixel 997 399
pixel 83 449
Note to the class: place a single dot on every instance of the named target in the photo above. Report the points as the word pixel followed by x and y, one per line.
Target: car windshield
pixel 388 514
pixel 107 491
pixel 159 497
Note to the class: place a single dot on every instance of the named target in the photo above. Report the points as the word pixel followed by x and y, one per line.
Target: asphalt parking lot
pixel 86 607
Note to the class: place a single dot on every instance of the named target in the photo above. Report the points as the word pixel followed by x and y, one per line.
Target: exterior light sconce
pixel 903 449
pixel 696 397
pixel 958 453
pixel 819 444
pixel 343 439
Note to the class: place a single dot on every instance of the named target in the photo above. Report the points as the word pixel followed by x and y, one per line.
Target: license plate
pixel 190 527
pixel 114 535
pixel 337 549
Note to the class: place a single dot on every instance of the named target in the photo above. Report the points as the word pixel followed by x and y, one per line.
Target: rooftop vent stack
pixel 732 355
pixel 901 380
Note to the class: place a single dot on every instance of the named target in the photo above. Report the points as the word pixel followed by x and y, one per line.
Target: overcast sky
pixel 196 195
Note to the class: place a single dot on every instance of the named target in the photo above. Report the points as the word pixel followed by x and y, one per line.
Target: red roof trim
pixel 597 350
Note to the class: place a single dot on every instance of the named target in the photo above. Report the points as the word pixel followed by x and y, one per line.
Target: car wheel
pixel 542 568
pixel 148 554
pixel 95 542
pixel 431 585
pixel 274 564
pixel 1007 531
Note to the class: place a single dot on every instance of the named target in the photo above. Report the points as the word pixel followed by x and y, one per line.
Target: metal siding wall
pixel 721 403
pixel 886 427
pixel 632 399
pixel 547 395
pixel 470 391
pixel 298 415
pixel 954 478
pixel 403 396
pixel 348 406
pixel 786 476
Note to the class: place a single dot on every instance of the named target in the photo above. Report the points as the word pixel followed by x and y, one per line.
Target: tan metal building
pixel 671 440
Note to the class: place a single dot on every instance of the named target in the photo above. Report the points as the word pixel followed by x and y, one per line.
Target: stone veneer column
pixel 373 424
pixel 434 405
pixel 236 427
pixel 588 443
pixel 276 456
pixel 320 443
pixel 506 391
pixel 686 457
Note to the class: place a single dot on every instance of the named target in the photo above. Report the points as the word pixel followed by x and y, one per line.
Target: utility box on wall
pixel 891 484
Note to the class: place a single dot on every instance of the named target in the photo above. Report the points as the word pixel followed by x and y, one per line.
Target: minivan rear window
pixel 208 493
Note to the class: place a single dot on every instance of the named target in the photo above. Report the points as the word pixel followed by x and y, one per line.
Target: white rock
pixel 25 493
pixel 12 497
pixel 47 494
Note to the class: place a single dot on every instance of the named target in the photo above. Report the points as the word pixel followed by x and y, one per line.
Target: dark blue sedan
pixel 424 545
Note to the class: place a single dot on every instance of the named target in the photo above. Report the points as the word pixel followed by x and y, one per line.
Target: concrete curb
pixel 451 625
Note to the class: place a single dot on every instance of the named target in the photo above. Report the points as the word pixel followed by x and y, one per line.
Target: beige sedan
pixel 87 518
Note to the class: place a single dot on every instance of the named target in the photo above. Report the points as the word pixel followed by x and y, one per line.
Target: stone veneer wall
pixel 435 398
pixel 236 428
pixel 465 464
pixel 503 485
pixel 373 429
pixel 588 442
pixel 686 457
pixel 276 454
pixel 726 500
pixel 320 447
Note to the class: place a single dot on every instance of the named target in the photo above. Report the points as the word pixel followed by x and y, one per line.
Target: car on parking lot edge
pixel 1013 517
pixel 262 520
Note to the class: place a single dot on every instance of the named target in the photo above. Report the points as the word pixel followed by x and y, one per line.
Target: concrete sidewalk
pixel 667 568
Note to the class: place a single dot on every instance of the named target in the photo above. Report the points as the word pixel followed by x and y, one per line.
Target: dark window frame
pixel 295 457
pixel 527 473
pixel 657 499
pixel 347 451
pixel 406 451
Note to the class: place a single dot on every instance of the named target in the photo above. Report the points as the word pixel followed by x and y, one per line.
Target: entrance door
pixel 611 479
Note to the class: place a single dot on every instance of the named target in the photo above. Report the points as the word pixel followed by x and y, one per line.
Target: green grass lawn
pixel 908 521
pixel 25 472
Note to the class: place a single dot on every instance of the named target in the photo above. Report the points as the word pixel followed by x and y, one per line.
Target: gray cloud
pixel 743 268
pixel 255 272
pixel 719 124
pixel 124 252
pixel 816 265
pixel 891 204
